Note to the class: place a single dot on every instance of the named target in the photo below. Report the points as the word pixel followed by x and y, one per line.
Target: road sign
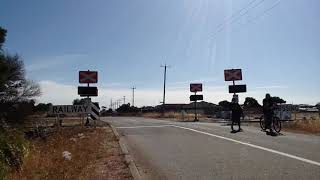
pixel 95 111
pixel 196 97
pixel 237 88
pixel 196 87
pixel 65 109
pixel 88 76
pixel 87 91
pixel 232 74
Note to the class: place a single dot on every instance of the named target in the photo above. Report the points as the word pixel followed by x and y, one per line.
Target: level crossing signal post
pixel 91 109
pixel 88 77
pixel 234 75
pixel 196 87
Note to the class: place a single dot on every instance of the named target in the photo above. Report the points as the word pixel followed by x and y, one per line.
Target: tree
pixel 14 87
pixel 278 100
pixel 16 92
pixel 225 104
pixel 318 105
pixel 126 108
pixel 79 101
pixel 251 102
pixel 41 107
pixel 105 112
pixel 3 33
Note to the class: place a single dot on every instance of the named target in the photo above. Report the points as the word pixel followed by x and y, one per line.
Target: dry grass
pixel 96 156
pixel 173 115
pixel 66 121
pixel 152 115
pixel 306 126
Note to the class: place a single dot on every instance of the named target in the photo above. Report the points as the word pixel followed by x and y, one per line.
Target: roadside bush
pixel 13 149
pixel 15 114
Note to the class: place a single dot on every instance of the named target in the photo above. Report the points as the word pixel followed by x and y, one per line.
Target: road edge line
pixel 132 166
pixel 253 146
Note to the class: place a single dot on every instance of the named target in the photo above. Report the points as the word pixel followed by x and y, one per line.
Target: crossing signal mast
pixel 133 88
pixel 164 87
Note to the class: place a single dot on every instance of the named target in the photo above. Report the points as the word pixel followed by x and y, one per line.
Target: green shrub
pixel 13 149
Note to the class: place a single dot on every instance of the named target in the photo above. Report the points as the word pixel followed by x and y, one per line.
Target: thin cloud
pixel 112 85
pixel 200 80
pixel 49 62
pixel 272 87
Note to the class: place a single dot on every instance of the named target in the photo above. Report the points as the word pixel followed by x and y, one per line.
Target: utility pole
pixel 124 99
pixel 119 103
pixel 111 104
pixel 164 87
pixel 133 88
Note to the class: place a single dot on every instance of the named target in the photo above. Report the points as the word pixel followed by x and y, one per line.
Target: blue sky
pixel 276 43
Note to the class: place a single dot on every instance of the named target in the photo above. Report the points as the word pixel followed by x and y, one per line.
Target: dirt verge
pixel 89 154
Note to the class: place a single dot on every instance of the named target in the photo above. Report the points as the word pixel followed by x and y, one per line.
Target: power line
pixel 233 15
pixel 233 20
pixel 252 20
pixel 265 11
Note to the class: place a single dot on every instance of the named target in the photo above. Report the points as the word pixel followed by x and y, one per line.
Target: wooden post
pixel 81 120
pixel 56 121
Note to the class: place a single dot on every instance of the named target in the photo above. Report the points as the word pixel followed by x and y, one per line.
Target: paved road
pixel 175 150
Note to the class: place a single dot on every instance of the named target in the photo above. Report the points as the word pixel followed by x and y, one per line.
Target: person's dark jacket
pixel 267 106
pixel 237 111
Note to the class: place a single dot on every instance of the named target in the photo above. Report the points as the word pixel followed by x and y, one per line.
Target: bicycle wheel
pixel 262 123
pixel 276 124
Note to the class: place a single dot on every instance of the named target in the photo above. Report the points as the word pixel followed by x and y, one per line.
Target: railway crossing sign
pixel 88 77
pixel 87 91
pixel 196 97
pixel 67 109
pixel 91 108
pixel 196 87
pixel 232 74
pixel 95 110
pixel 237 88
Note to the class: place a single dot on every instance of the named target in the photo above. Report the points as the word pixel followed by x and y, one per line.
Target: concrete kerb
pixel 132 166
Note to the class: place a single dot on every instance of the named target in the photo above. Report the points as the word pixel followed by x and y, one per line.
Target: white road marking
pixel 229 139
pixel 135 127
pixel 252 145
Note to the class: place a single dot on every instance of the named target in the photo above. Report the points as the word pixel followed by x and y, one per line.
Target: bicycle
pixel 276 123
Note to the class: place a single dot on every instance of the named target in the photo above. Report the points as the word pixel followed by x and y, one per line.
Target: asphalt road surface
pixel 165 149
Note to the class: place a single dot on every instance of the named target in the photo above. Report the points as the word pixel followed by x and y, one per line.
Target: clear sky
pixel 276 43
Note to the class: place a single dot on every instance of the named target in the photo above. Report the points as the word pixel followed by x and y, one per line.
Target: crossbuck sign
pixel 88 76
pixel 196 87
pixel 232 74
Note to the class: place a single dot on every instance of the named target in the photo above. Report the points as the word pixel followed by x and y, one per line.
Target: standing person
pixel 236 113
pixel 268 113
